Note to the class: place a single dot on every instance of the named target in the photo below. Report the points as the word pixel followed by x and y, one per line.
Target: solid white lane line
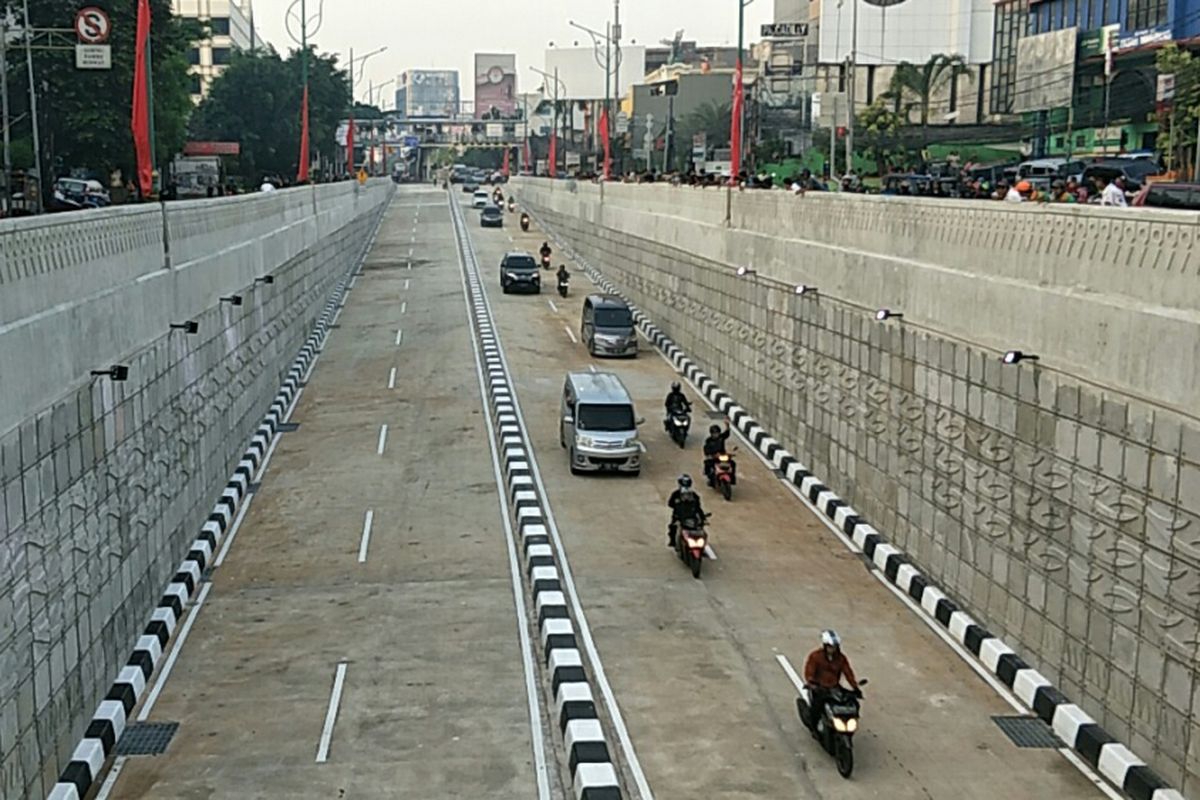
pixel 518 588
pixel 111 780
pixel 913 606
pixel 335 699
pixel 382 440
pixel 161 681
pixel 553 307
pixel 365 542
pixel 241 515
pixel 404 307
pixel 571 334
pixel 392 379
pixel 399 336
pixel 790 671
pixel 618 721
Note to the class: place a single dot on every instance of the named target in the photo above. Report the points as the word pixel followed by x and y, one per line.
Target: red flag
pixel 350 145
pixel 604 138
pixel 528 163
pixel 504 169
pixel 302 174
pixel 140 123
pixel 553 154
pixel 735 128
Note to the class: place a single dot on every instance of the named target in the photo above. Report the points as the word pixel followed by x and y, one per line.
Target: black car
pixel 1132 171
pixel 491 217
pixel 520 271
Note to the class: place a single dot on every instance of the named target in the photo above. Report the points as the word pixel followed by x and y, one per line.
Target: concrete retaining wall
pixel 1061 507
pixel 103 486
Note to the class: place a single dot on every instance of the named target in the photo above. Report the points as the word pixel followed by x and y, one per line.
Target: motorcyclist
pixel 685 505
pixel 677 402
pixel 545 251
pixel 714 445
pixel 823 672
pixel 563 275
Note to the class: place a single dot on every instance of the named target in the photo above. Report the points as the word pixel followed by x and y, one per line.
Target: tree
pixel 1177 123
pixel 878 127
pixel 711 119
pixel 84 115
pixel 914 86
pixel 256 102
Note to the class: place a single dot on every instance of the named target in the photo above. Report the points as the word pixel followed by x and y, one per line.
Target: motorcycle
pixel 525 223
pixel 677 424
pixel 690 541
pixel 563 284
pixel 545 261
pixel 835 729
pixel 724 474
pixel 512 205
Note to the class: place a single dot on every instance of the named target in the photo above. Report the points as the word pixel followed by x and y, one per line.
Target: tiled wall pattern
pixel 102 491
pixel 1064 515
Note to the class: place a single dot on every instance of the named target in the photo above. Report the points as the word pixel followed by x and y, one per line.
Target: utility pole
pixel 33 109
pixel 850 93
pixel 616 43
pixel 607 96
pixel 5 120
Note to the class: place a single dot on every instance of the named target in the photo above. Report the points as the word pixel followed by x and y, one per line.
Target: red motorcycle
pixel 690 541
pixel 724 474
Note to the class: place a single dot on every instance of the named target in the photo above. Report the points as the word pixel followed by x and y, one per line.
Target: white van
pixel 598 424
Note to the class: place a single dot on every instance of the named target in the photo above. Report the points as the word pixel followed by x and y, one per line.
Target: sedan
pixel 491 217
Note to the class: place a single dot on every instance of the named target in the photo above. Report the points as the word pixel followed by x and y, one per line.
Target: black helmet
pixel 714 429
pixel 685 481
pixel 675 386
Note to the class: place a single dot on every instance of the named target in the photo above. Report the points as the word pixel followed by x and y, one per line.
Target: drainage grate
pixel 146 738
pixel 288 427
pixel 206 576
pixel 1028 732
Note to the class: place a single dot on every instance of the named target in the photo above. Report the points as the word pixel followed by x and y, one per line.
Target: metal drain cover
pixel 288 427
pixel 1028 732
pixel 146 738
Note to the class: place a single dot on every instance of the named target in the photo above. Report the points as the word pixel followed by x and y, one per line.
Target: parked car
pixel 72 194
pixel 1182 196
pixel 1134 171
pixel 492 217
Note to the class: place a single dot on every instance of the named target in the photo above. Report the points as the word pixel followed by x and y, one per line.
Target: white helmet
pixel 829 638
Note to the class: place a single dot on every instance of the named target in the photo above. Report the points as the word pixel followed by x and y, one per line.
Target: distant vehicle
pixel 1051 168
pixel 1133 171
pixel 196 176
pixel 470 187
pixel 492 217
pixel 480 199
pixel 73 194
pixel 1180 196
pixel 519 270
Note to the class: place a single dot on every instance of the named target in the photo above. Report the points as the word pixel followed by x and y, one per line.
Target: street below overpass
pixel 368 632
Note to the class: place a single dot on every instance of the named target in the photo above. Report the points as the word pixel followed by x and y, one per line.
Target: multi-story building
pixel 695 55
pixel 1082 71
pixel 230 25
pixel 428 94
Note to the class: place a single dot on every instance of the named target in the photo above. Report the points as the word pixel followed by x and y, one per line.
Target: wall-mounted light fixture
pixel 884 314
pixel 804 289
pixel 742 272
pixel 118 372
pixel 189 327
pixel 1016 357
pixel 268 279
pixel 233 299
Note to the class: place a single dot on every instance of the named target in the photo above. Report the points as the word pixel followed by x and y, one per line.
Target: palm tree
pixel 914 86
pixel 712 119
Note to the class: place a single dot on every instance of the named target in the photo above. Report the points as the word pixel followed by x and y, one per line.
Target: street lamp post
pixel 354 77
pixel 612 60
pixel 554 126
pixel 304 22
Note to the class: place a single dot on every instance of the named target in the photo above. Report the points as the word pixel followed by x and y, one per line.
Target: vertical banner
pixel 302 173
pixel 350 143
pixel 735 127
pixel 605 140
pixel 140 123
pixel 528 168
pixel 554 154
pixel 504 169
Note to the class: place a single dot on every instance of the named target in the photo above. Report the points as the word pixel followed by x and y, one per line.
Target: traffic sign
pixel 93 56
pixel 92 25
pixel 785 30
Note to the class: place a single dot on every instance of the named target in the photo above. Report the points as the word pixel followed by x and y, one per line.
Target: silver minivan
pixel 598 424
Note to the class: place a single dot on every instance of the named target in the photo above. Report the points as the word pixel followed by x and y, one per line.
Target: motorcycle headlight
pixel 851 725
pixel 697 542
pixel 840 725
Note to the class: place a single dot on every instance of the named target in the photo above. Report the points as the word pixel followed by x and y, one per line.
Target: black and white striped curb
pixel 113 714
pixel 593 772
pixel 1070 723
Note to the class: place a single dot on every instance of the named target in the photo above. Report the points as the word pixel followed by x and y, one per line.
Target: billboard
pixel 1045 71
pixel 495 85
pixel 581 71
pixel 431 93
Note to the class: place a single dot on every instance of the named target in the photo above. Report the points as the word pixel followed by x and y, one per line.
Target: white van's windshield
pixel 604 418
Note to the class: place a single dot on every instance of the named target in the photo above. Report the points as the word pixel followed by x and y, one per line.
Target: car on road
pixel 470 186
pixel 607 328
pixel 480 199
pixel 72 194
pixel 491 217
pixel 598 425
pixel 519 270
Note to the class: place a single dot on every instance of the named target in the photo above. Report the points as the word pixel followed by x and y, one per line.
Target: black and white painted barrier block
pixel 593 772
pixel 1070 723
pixel 114 712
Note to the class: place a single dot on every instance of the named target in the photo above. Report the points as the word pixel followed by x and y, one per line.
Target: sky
pixel 445 34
